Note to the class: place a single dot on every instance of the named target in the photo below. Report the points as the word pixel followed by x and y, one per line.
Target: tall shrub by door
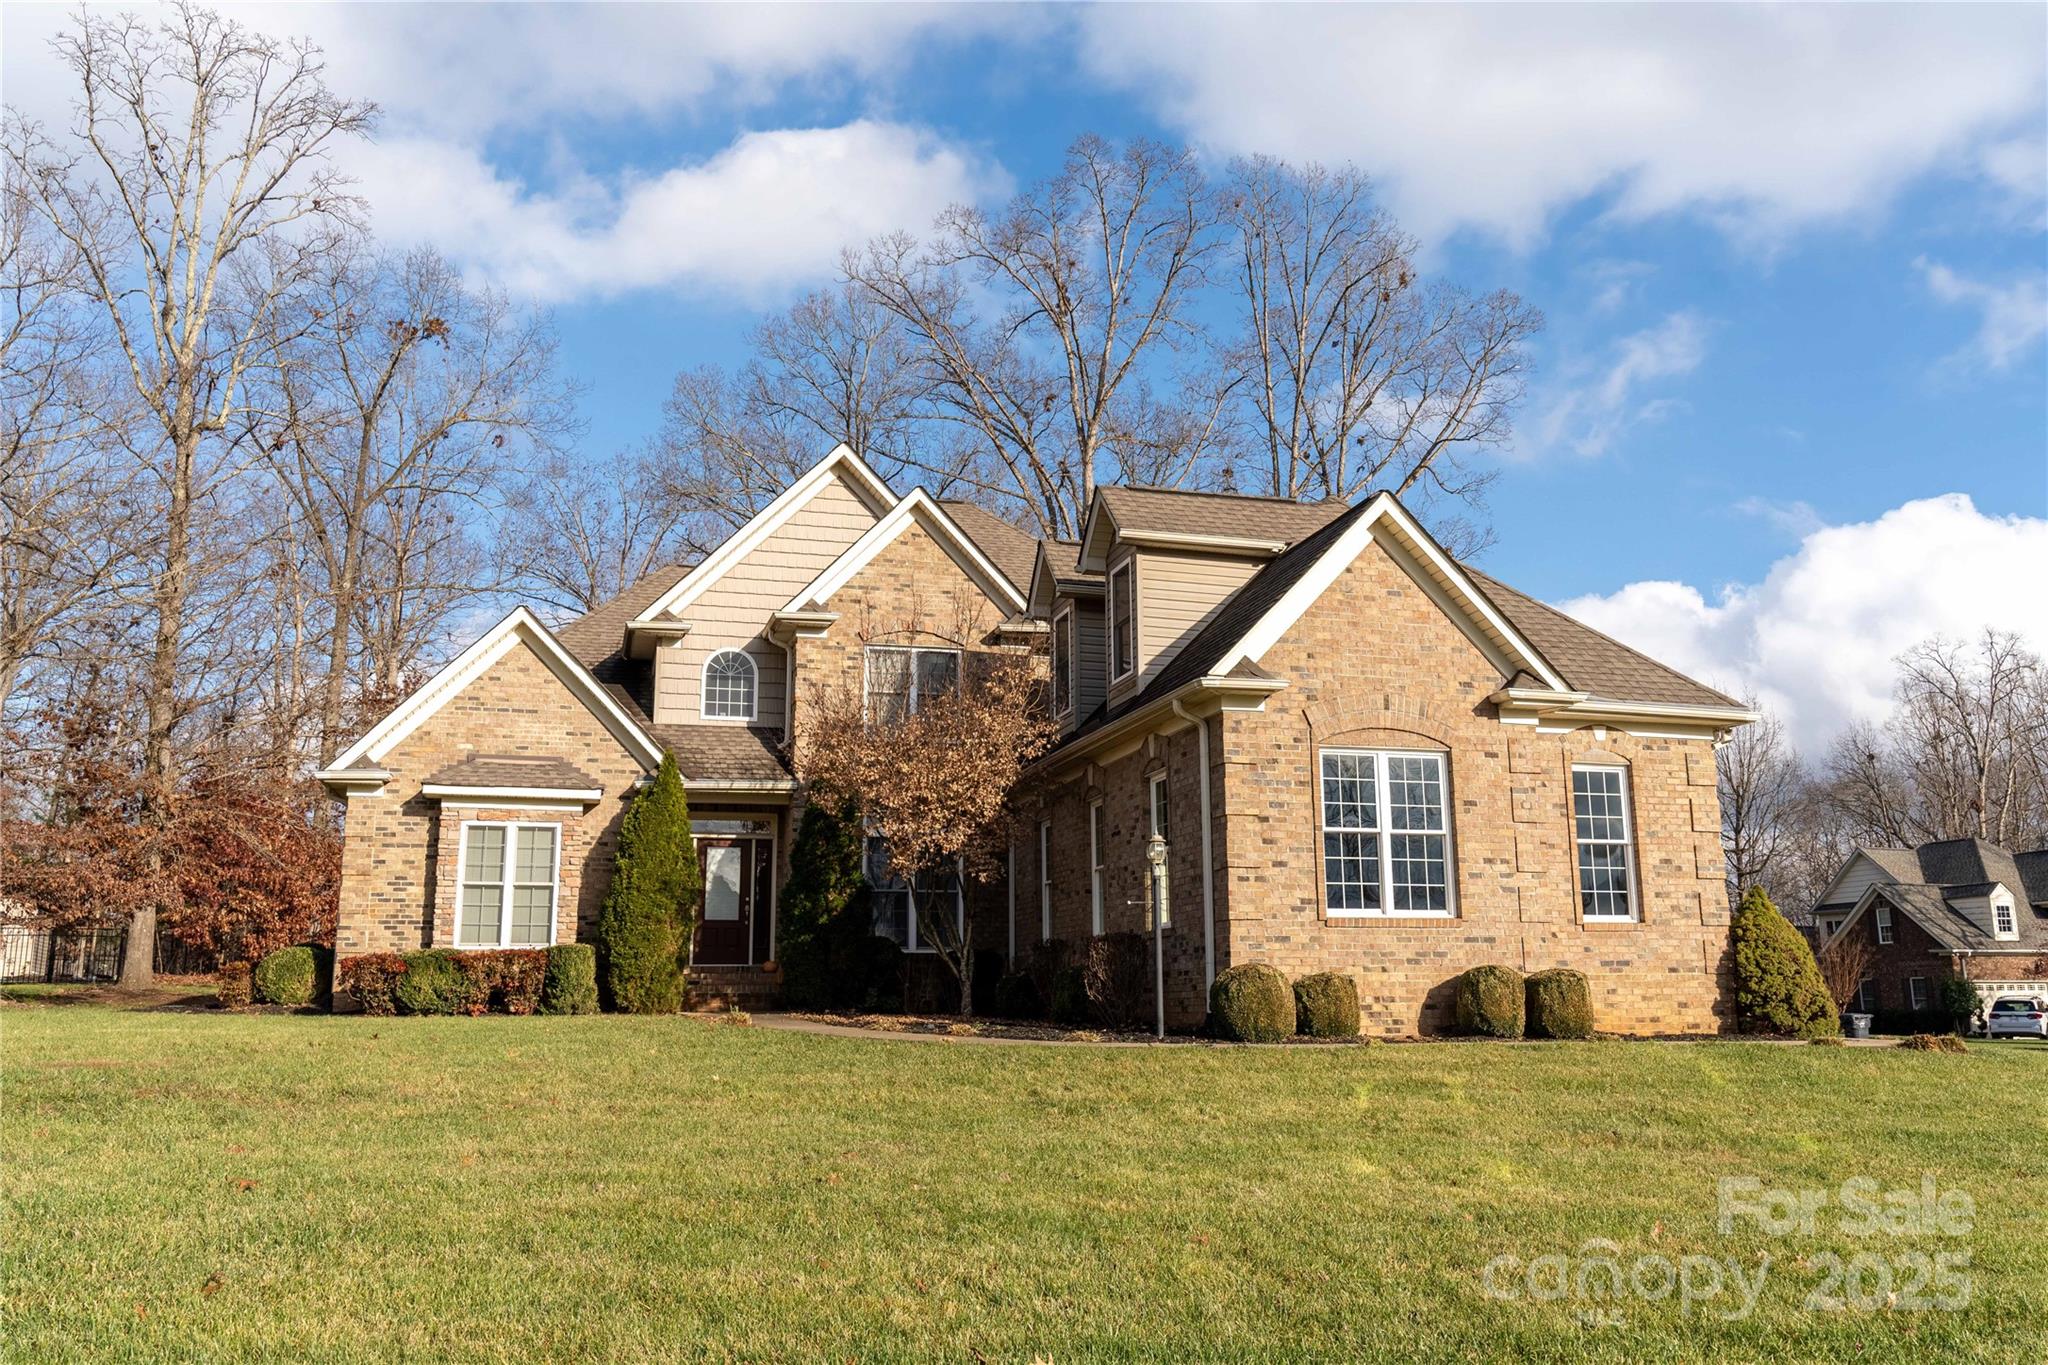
pixel 644 933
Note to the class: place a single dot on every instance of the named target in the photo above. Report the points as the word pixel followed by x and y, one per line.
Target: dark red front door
pixel 725 920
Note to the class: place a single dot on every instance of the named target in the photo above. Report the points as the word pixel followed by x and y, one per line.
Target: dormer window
pixel 1123 644
pixel 730 686
pixel 1063 661
pixel 2004 923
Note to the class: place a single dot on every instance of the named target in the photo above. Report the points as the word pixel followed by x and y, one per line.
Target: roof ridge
pixel 1245 497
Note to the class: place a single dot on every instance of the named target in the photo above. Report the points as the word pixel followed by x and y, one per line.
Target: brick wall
pixel 399 860
pixel 1376 663
pixel 1912 952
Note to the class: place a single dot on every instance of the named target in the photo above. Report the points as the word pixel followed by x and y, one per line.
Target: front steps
pixel 733 988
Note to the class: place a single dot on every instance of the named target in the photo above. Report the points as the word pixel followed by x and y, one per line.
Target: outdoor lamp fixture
pixel 1155 854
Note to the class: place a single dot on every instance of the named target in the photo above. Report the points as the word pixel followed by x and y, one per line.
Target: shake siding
pixel 734 611
pixel 1177 594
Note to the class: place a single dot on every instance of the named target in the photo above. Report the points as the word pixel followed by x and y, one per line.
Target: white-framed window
pixel 1866 996
pixel 900 679
pixel 507 884
pixel 2003 922
pixel 731 686
pixel 1123 611
pixel 1386 833
pixel 1095 866
pixel 1157 806
pixel 1606 843
pixel 1884 924
pixel 1045 881
pixel 905 910
pixel 1916 991
pixel 1063 660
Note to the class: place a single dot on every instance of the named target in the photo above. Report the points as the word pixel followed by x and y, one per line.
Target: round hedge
pixel 1326 1006
pixel 1490 1002
pixel 1560 1004
pixel 570 984
pixel 289 976
pixel 1017 998
pixel 433 984
pixel 1252 1003
pixel 1070 996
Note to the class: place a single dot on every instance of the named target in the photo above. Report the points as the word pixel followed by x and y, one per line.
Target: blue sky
pixel 1792 260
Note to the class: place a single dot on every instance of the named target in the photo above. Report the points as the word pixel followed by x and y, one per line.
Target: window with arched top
pixel 729 686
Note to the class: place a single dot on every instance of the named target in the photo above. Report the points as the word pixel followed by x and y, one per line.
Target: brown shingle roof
pixel 1174 511
pixel 1011 550
pixel 725 753
pixel 1592 662
pixel 515 770
pixel 600 632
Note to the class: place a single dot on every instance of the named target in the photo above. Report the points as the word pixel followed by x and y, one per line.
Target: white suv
pixel 2016 1016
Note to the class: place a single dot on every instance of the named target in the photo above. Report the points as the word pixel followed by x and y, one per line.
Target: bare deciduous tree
pixel 1356 374
pixel 1761 783
pixel 1093 271
pixel 585 529
pixel 205 167
pixel 1844 961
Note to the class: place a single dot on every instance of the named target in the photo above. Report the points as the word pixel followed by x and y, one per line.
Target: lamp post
pixel 1155 854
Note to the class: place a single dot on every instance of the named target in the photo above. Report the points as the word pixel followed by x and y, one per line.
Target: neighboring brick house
pixel 1366 757
pixel 1956 907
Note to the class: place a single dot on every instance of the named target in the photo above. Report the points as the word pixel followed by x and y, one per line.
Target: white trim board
pixel 919 508
pixel 768 521
pixel 520 627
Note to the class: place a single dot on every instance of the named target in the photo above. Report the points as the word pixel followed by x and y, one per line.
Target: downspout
pixel 1208 862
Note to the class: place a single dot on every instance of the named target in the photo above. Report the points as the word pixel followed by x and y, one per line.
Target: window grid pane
pixel 938 673
pixel 729 686
pixel 1350 797
pixel 888 684
pixel 1386 838
pixel 1600 822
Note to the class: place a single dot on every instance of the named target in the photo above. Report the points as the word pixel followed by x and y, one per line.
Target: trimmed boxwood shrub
pixel 1560 1004
pixel 434 983
pixel 1489 1002
pixel 1017 997
pixel 1326 1006
pixel 1070 996
pixel 644 929
pixel 1778 985
pixel 288 976
pixel 232 985
pixel 569 984
pixel 507 980
pixel 372 981
pixel 1251 1003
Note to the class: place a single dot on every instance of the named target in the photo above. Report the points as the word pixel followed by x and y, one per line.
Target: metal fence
pixel 28 954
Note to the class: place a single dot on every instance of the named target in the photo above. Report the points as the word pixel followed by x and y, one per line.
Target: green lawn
pixel 191 1185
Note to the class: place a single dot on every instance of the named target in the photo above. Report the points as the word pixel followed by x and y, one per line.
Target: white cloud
pixel 1496 116
pixel 1816 638
pixel 1796 518
pixel 1597 404
pixel 768 213
pixel 2012 316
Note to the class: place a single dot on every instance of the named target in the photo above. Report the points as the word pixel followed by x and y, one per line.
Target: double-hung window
pixel 1095 867
pixel 900 680
pixel 508 882
pixel 911 912
pixel 2003 923
pixel 1884 924
pixel 1916 991
pixel 1063 661
pixel 1123 607
pixel 1386 833
pixel 1600 827
pixel 1157 808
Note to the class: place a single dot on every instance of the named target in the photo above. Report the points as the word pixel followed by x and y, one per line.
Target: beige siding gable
pixel 1177 595
pixel 732 613
pixel 1857 877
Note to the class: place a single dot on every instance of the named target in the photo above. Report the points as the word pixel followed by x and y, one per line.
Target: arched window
pixel 728 686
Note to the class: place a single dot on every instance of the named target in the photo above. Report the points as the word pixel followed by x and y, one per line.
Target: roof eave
pixel 1528 705
pixel 1211 693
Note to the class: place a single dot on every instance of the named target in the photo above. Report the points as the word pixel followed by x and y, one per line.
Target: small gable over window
pixel 729 686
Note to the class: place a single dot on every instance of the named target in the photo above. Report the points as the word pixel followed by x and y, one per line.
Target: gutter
pixel 1214 684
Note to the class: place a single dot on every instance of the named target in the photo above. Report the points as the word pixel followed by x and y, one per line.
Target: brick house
pixel 1955 907
pixel 1364 756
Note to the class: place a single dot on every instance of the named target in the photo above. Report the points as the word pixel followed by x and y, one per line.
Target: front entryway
pixel 735 919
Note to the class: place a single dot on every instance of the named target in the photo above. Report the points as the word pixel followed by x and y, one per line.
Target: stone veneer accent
pixel 399 858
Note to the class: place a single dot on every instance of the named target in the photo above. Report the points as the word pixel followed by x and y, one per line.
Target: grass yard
pixel 202 1186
